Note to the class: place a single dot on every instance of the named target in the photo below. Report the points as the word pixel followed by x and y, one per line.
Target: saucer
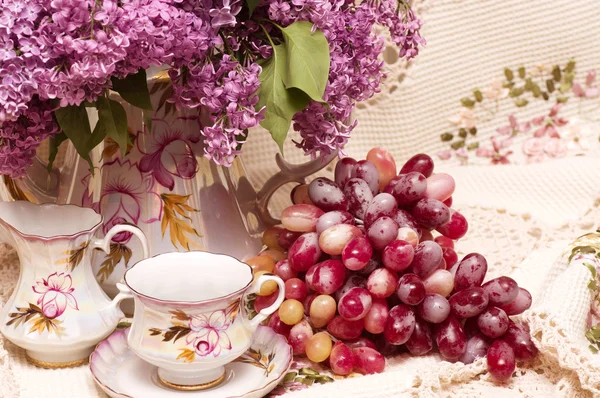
pixel 122 374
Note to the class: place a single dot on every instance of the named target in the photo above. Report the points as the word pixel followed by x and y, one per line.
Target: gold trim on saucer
pixel 56 365
pixel 194 387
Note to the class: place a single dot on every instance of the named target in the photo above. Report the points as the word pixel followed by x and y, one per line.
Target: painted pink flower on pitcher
pixel 170 152
pixel 209 333
pixel 56 293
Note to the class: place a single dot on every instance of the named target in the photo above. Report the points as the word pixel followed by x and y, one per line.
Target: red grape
pixel 355 304
pixel 409 188
pixel 421 163
pixel 470 272
pixel 434 308
pixel 332 218
pixel 277 325
pixel 299 334
pixel 440 186
pixel 431 213
pixel 305 252
pixel 343 329
pixel 404 219
pixel 382 283
pixel 399 325
pixel 357 253
pixel 477 347
pixel 375 319
pixel 450 338
pixel 368 361
pixel 382 204
pixel 398 255
pixel 327 195
pixel 343 171
pixel 286 238
pixel 307 302
pixel 299 195
pixel 493 322
pixel 371 266
pixel 284 271
pixel 450 256
pixel 411 290
pixel 301 218
pixel 444 242
pixel 520 342
pixel 448 202
pixel 341 359
pixel 520 304
pixel 326 277
pixel 382 231
pixel 351 281
pixel 361 342
pixel 456 227
pixel 421 340
pixel 501 291
pixel 367 171
pixel 263 302
pixel 426 259
pixel 295 289
pixel 500 360
pixel 469 302
pixel 359 197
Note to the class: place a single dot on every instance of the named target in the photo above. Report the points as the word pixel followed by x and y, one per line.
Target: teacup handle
pixel 104 243
pixel 265 312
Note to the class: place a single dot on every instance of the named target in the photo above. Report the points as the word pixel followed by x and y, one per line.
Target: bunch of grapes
pixel 362 268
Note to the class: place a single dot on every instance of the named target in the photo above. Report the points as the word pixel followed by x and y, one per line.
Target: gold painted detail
pixel 194 387
pixel 56 365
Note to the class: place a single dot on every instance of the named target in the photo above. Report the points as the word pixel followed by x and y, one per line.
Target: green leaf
pixel 562 100
pixel 473 131
pixel 521 102
pixel 536 90
pixel 528 84
pixel 251 6
pixel 478 95
pixel 473 145
pixel 307 59
pixel 458 144
pixel 521 71
pixel 281 103
pixel 550 85
pixel 570 66
pixel 134 89
pixel 515 92
pixel 556 75
pixel 74 122
pixel 467 102
pixel 509 74
pixel 446 137
pixel 112 121
pixel 54 144
pixel 462 133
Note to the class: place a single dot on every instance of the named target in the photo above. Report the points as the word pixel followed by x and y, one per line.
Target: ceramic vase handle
pixel 104 243
pixel 265 312
pixel 288 173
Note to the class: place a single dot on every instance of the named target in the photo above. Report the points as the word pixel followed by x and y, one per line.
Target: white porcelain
pixel 122 374
pixel 57 312
pixel 188 320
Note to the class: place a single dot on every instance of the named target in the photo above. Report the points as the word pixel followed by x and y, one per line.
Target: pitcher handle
pixel 287 173
pixel 265 312
pixel 104 243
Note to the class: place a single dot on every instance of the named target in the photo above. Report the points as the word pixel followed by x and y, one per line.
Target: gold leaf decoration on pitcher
pixel 74 257
pixel 117 252
pixel 175 216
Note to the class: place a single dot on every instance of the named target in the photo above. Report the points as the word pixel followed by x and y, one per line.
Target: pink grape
pixel 384 163
pixel 326 277
pixel 404 219
pixel 385 348
pixel 355 304
pixel 450 338
pixel 305 252
pixel 263 302
pixel 501 291
pixel 286 238
pixel 332 218
pixel 470 327
pixel 357 253
pixel 341 359
pixel 440 186
pixel 284 271
pixel 427 257
pixel 500 360
pixel 470 272
pixel 450 256
pixel 343 171
pixel 411 289
pixel 444 242
pixel 477 347
pixel 367 171
pixel 382 204
pixel 382 283
pixel 333 240
pixel 371 266
pixel 421 163
pixel 299 335
pixel 277 325
pixel 421 340
pixel 327 195
pixel 307 302
pixel 368 361
pixel 520 304
pixel 382 231
pixel 469 302
pixel 448 202
pixel 352 281
pixel 391 184
pixel 409 188
pixel 493 322
pixel 426 235
pixel 408 235
pixel 431 213
pixel 456 227
pixel 520 342
pixel 361 342
pixel 440 282
pixel 295 289
pixel 399 325
pixel 301 218
pixel 359 196
pixel 375 319
pixel 398 255
pixel 434 308
pixel 343 329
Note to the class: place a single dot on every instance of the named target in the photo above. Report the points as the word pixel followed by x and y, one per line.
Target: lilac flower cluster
pixel 57 53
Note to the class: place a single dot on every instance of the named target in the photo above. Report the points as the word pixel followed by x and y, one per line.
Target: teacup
pixel 193 314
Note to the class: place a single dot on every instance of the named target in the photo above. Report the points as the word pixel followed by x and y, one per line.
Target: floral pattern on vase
pixel 56 294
